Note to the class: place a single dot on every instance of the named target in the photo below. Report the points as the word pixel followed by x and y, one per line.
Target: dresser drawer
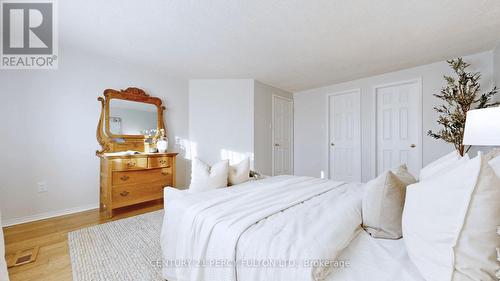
pixel 132 194
pixel 167 177
pixel 130 164
pixel 160 162
pixel 160 176
pixel 137 146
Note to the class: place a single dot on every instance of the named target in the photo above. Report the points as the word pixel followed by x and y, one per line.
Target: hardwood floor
pixel 53 262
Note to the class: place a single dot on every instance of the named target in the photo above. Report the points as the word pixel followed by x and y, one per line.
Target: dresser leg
pixel 105 212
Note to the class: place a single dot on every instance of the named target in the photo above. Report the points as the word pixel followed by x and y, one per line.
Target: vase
pixel 162 145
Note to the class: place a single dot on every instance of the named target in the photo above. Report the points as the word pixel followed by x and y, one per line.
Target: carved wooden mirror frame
pixel 106 139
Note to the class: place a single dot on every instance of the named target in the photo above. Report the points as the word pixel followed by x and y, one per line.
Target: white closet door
pixel 345 136
pixel 398 126
pixel 282 136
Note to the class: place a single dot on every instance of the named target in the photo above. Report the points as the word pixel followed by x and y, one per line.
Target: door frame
pixel 328 133
pixel 419 82
pixel 292 148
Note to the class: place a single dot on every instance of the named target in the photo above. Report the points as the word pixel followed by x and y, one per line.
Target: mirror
pixel 131 118
pixel 124 114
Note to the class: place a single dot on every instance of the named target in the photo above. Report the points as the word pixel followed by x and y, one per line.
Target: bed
pixel 279 228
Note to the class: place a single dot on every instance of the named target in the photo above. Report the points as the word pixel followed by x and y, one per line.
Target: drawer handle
pixel 131 164
pixel 163 161
pixel 124 193
pixel 125 178
pixel 165 173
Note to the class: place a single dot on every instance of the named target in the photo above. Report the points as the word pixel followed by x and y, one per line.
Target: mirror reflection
pixel 130 118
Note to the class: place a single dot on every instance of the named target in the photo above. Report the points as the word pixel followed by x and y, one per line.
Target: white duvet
pixel 282 228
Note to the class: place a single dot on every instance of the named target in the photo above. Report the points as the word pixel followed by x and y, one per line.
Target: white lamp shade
pixel 482 127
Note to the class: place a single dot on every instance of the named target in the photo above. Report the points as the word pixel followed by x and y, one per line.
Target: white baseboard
pixel 48 215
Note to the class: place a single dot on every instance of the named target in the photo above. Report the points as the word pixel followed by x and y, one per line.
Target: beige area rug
pixel 122 250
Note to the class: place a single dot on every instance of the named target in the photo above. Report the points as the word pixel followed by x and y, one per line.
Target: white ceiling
pixel 290 44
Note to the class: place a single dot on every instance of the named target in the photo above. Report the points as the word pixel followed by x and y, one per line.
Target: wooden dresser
pixel 128 180
pixel 128 118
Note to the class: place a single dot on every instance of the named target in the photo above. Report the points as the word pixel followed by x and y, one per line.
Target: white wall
pixel 263 121
pixel 231 119
pixel 221 119
pixel 496 66
pixel 310 114
pixel 49 119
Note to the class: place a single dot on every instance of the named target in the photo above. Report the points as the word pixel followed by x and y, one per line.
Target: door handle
pixel 332 144
pixel 276 144
pixel 413 145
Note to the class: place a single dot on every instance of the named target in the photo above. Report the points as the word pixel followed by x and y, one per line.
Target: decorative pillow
pixel 205 178
pixel 475 253
pixel 239 173
pixel 383 203
pixel 449 223
pixel 494 160
pixel 443 164
pixel 404 175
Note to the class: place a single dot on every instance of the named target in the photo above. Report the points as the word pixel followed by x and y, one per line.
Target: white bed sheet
pixel 376 260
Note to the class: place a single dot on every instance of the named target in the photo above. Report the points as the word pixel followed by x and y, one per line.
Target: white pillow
pixel 205 178
pixel 443 164
pixel 239 173
pixel 383 203
pixel 440 217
